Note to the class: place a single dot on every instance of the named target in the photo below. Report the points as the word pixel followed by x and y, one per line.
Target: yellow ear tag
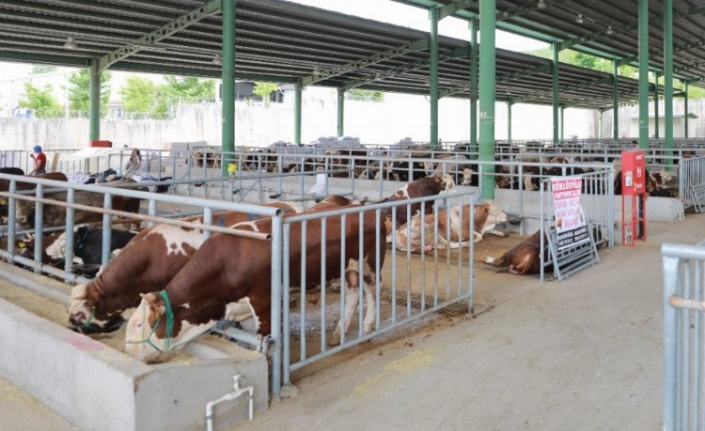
pixel 21 245
pixel 3 201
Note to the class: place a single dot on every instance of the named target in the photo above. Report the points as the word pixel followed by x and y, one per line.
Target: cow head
pixel 24 213
pixel 153 328
pixel 87 310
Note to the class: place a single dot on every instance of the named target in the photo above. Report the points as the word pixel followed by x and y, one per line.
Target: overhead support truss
pixel 462 52
pixel 629 27
pixel 500 79
pixel 212 7
pixel 418 45
pixel 603 81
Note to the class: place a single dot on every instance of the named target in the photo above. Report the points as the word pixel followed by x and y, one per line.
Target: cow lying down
pixel 524 258
pixel 453 227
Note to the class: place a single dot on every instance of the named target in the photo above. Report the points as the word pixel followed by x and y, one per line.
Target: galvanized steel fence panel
pixel 598 210
pixel 691 182
pixel 441 279
pixel 684 337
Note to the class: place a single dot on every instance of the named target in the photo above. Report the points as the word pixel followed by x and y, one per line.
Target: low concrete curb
pixel 98 388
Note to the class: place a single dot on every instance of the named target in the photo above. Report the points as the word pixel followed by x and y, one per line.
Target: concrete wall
pixel 398 117
pixel 696 126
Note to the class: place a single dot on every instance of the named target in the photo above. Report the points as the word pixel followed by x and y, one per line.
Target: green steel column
pixel 562 134
pixel 341 111
pixel 94 103
pixel 509 122
pixel 656 118
pixel 297 112
pixel 433 54
pixel 555 92
pixel 668 78
pixel 685 109
pixel 599 123
pixel 615 100
pixel 644 74
pixel 228 78
pixel 473 87
pixel 488 9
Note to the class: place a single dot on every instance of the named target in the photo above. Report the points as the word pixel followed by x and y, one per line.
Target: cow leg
pixel 477 236
pixel 350 307
pixel 352 278
pixel 496 232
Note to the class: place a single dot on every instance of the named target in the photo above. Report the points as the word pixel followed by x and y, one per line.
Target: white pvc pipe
pixel 237 391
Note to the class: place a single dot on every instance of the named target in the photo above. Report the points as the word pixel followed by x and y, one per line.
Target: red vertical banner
pixel 633 196
pixel 633 173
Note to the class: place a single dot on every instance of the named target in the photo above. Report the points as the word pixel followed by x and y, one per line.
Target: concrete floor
pixel 582 354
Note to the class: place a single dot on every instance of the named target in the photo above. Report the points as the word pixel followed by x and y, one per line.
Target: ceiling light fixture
pixel 70 43
pixel 217 59
pixel 579 19
pixel 609 31
pixel 541 4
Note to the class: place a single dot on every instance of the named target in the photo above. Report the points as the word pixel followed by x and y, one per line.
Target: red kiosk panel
pixel 633 196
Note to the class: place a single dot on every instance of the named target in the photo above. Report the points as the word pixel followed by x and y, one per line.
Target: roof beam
pixel 547 67
pixel 210 8
pixel 44 58
pixel 601 81
pixel 521 10
pixel 629 27
pixel 677 48
pixel 418 45
pixel 452 8
pixel 538 69
pixel 463 51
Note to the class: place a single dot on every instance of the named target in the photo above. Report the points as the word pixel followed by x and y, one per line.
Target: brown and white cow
pixel 453 228
pixel 228 269
pixel 88 244
pixel 151 259
pixel 5 186
pixel 524 258
pixel 427 186
pixel 55 215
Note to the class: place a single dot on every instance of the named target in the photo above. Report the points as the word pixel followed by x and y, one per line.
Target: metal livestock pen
pixel 684 337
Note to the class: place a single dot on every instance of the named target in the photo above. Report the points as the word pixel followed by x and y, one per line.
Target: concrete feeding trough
pixel 97 387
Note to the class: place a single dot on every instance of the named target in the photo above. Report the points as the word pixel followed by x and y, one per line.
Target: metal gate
pixel 597 201
pixel 684 337
pixel 442 280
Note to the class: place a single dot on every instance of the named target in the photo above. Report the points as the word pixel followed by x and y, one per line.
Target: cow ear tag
pixel 3 201
pixel 22 245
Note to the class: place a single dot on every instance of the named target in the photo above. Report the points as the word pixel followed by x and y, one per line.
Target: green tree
pixel 264 90
pixel 139 96
pixel 41 102
pixel 188 88
pixel 365 95
pixel 38 69
pixel 79 90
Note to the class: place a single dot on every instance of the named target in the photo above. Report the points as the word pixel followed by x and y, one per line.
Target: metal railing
pixel 406 287
pixel 684 340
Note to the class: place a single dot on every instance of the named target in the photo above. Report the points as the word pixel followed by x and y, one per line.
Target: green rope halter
pixel 169 327
pixel 169 320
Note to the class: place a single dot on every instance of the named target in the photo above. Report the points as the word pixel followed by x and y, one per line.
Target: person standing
pixel 40 161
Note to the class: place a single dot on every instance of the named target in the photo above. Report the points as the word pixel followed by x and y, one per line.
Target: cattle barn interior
pixel 283 42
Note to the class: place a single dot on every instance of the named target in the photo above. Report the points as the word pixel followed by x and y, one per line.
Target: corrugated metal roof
pixel 608 27
pixel 280 41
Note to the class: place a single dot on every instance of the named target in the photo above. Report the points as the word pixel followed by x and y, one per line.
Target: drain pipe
pixel 237 391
